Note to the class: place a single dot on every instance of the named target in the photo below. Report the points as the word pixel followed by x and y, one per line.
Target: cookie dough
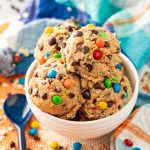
pixel 52 42
pixel 92 52
pixel 55 91
pixel 101 101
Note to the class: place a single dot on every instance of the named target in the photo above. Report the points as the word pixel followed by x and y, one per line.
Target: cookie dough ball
pixel 55 91
pixel 91 52
pixel 104 98
pixel 52 42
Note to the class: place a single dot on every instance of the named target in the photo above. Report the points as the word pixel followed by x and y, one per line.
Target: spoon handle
pixel 21 137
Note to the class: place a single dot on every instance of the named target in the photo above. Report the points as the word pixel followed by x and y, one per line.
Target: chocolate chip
pixel 12 144
pixel 109 57
pixel 60 76
pixel 43 82
pixel 122 79
pixel 85 49
pixel 77 27
pixel 60 148
pixel 95 32
pixel 86 94
pixel 75 63
pixel 57 47
pixel 94 101
pixel 97 86
pixel 40 47
pixel 52 41
pixel 69 28
pixel 30 91
pixel 71 95
pixel 37 138
pixel 125 88
pixel 118 49
pixel 79 47
pixel 47 65
pixel 106 44
pixel 35 94
pixel 28 148
pixel 63 45
pixel 119 107
pixel 90 67
pixel 78 34
pixel 110 103
pixel 122 96
pixel 57 89
pixel 43 96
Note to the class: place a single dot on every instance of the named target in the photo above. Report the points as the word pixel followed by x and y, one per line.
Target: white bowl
pixel 88 129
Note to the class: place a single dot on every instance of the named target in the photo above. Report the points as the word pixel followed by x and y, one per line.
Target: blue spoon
pixel 18 111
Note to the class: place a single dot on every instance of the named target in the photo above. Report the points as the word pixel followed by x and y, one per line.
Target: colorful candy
pixel 103 34
pixel 35 124
pixel 47 54
pixel 97 54
pixel 48 30
pixel 119 66
pixel 126 95
pixel 17 58
pixel 136 148
pixel 77 146
pixel 52 74
pixel 99 43
pixel 33 131
pixel 41 60
pixel 116 87
pixel 114 79
pixel 57 55
pixel 102 105
pixel 68 84
pixel 56 99
pixel 128 142
pixel 107 83
pixel 54 145
pixel 90 26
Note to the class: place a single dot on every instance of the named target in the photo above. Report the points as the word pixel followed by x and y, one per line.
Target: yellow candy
pixel 53 145
pixel 90 26
pixel 102 105
pixel 35 124
pixel 48 30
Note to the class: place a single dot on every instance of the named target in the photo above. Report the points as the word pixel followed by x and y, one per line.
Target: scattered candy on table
pixel 77 146
pixel 33 131
pixel 35 124
pixel 52 73
pixel 48 30
pixel 116 87
pixel 56 99
pixel 97 54
pixel 128 142
pixel 54 145
pixel 57 55
pixel 107 83
pixel 103 105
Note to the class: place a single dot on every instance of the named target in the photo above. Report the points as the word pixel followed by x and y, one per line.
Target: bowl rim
pixel 135 93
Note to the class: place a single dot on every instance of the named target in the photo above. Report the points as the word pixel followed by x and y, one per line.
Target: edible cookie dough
pixel 52 42
pixel 55 91
pixel 104 98
pixel 92 52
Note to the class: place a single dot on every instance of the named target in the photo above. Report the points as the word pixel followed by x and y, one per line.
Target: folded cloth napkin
pixel 134 133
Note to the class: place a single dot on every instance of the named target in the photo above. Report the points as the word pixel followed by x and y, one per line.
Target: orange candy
pixel 41 60
pixel 99 43
pixel 68 84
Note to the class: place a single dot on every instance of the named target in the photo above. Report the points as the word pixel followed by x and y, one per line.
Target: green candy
pixel 56 99
pixel 103 34
pixel 57 55
pixel 114 79
pixel 107 83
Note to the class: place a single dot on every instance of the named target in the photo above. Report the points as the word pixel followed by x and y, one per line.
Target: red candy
pixel 128 142
pixel 17 59
pixel 97 54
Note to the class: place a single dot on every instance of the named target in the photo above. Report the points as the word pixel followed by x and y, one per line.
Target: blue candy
pixel 21 81
pixel 77 146
pixel 126 95
pixel 116 87
pixel 47 54
pixel 119 66
pixel 33 131
pixel 51 74
pixel 136 148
